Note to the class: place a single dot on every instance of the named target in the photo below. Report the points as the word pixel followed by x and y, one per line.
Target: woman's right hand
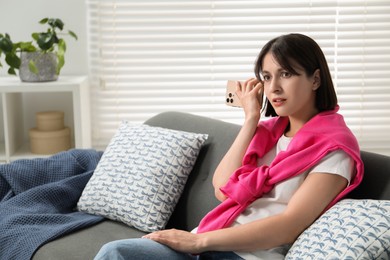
pixel 250 94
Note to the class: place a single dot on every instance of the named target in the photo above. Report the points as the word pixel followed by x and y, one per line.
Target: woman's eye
pixel 285 74
pixel 266 77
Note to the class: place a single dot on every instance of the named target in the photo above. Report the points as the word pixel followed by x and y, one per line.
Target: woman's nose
pixel 274 85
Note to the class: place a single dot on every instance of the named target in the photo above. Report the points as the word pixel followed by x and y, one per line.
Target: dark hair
pixel 298 49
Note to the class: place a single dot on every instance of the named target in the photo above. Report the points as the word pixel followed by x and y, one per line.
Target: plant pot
pixel 46 63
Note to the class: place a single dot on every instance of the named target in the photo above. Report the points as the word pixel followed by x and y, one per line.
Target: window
pixel 148 56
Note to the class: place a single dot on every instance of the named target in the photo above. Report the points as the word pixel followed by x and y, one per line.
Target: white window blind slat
pixel 151 56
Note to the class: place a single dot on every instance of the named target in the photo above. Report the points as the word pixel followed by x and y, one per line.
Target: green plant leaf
pixel 61 47
pixel 61 55
pixel 35 36
pixel 6 44
pixel 27 46
pixel 12 60
pixel 45 41
pixel 71 33
pixel 33 68
pixel 61 63
pixel 55 38
pixel 56 23
pixel 11 71
pixel 59 24
pixel 44 20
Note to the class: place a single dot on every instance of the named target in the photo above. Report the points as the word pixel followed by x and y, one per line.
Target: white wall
pixel 20 18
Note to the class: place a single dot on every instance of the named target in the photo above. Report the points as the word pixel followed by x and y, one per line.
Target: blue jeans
pixel 142 248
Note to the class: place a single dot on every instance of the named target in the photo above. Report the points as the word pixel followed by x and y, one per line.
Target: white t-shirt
pixel 275 202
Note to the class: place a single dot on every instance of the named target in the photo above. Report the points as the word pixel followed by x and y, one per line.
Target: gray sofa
pixel 198 196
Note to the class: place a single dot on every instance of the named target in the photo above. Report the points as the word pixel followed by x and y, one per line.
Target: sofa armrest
pixel 376 180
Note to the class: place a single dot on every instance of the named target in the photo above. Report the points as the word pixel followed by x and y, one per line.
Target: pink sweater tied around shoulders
pixel 324 133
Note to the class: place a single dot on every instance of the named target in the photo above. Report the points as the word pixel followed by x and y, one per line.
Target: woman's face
pixel 290 95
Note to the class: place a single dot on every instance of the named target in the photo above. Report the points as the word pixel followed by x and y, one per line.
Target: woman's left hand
pixel 178 240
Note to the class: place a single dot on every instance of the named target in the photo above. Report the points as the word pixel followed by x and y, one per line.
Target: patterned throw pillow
pixel 141 175
pixel 351 229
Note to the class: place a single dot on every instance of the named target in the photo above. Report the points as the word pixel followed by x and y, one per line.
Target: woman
pixel 279 175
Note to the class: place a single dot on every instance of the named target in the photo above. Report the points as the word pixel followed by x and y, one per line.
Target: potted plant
pixel 40 59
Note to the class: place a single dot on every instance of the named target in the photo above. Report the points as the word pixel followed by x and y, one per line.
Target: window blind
pixel 146 57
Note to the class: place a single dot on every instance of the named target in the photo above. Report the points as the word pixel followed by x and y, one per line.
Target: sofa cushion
pixel 141 175
pixel 198 197
pixel 351 229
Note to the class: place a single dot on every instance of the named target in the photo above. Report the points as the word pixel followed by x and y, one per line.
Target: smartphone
pixel 231 96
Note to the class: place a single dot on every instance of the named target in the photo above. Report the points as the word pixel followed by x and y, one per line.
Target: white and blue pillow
pixel 141 175
pixel 351 229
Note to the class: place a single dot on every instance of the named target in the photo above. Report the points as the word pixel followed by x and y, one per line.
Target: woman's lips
pixel 278 101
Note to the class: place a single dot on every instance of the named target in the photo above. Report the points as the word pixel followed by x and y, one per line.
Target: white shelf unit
pixel 20 101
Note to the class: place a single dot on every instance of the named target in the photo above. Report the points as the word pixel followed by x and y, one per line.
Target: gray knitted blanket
pixel 38 199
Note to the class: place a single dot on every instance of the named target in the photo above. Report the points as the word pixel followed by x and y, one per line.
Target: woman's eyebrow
pixel 266 71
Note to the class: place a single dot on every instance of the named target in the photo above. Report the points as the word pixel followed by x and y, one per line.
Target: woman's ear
pixel 316 79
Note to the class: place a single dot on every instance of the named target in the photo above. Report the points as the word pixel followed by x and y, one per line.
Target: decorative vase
pixel 46 64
